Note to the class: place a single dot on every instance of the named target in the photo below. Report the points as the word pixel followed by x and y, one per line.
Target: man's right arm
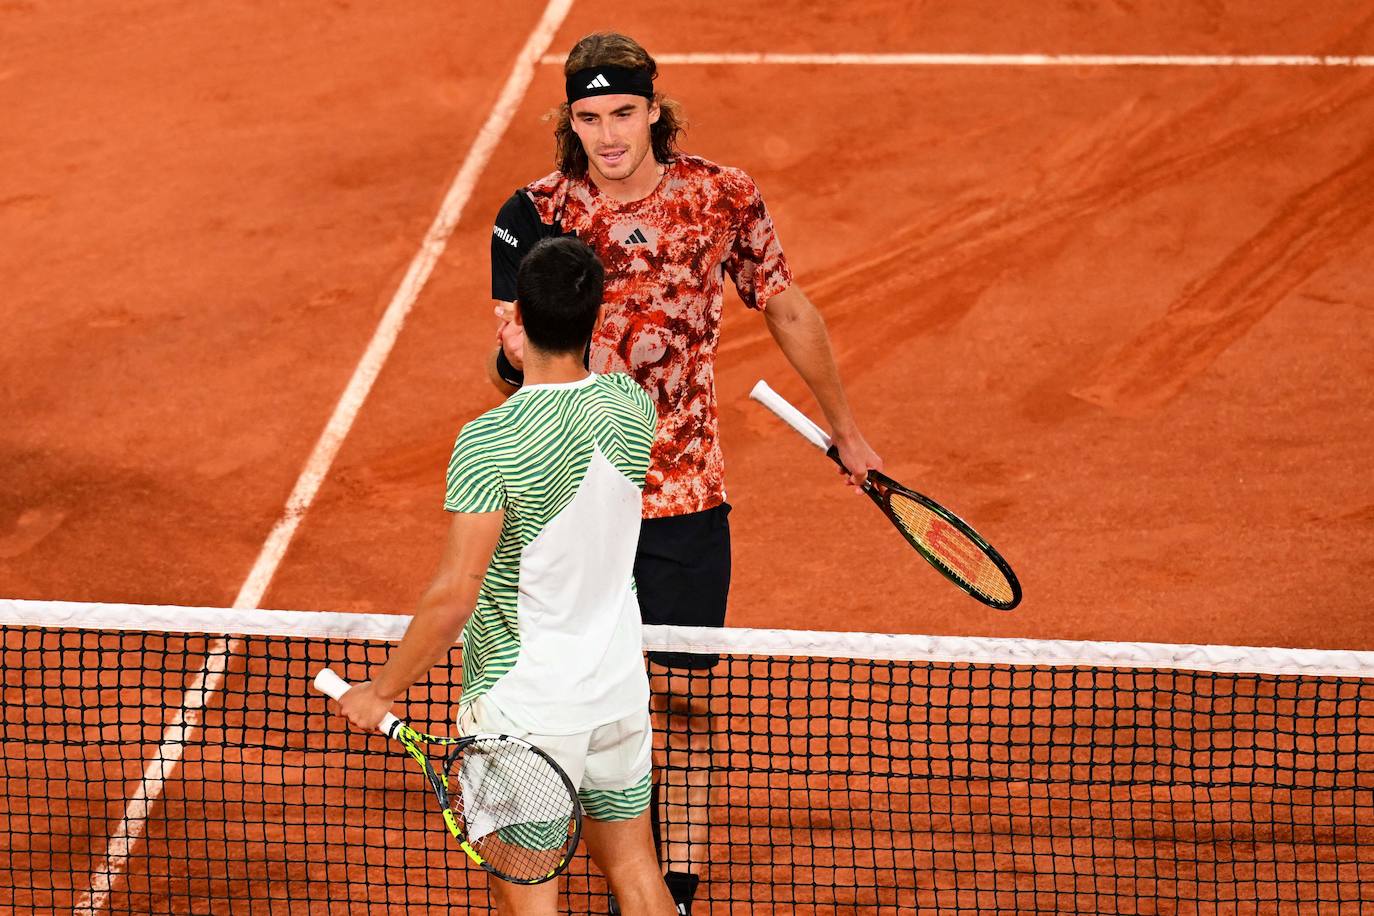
pixel 516 231
pixel 509 339
pixel 442 613
pixel 475 491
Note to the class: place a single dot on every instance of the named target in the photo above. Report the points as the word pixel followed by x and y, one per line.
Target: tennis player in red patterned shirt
pixel 669 228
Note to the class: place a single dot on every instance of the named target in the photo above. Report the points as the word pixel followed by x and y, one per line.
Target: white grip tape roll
pixel 790 415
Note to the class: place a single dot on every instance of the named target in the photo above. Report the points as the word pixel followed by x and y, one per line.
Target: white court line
pixel 1015 60
pixel 208 680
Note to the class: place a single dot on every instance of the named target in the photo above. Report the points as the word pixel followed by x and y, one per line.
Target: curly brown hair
pixel 611 49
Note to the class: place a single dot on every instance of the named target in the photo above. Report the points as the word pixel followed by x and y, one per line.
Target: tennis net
pixel 175 760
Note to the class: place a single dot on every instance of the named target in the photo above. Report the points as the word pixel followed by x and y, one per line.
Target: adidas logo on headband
pixel 608 80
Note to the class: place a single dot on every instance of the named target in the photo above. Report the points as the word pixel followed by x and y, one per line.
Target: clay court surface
pixel 1117 317
pixel 1120 318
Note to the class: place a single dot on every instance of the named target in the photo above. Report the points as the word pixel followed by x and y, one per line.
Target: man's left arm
pixel 797 326
pixel 760 272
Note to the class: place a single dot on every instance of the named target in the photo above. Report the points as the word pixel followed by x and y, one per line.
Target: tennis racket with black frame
pixel 511 808
pixel 946 541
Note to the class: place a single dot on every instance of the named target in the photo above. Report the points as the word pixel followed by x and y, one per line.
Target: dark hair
pixel 559 288
pixel 611 49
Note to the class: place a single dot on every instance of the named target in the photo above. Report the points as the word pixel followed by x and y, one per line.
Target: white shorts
pixel 610 765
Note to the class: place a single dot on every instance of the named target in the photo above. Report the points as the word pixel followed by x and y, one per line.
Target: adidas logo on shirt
pixel 637 238
pixel 600 82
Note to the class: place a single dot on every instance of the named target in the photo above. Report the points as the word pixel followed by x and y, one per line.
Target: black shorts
pixel 682 573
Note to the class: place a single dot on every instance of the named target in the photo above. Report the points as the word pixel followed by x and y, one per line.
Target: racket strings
pixel 514 808
pixel 955 552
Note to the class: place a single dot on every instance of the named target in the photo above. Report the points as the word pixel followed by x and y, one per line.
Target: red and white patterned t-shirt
pixel 666 258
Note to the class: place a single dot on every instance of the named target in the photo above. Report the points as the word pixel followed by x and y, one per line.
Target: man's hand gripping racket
pixel 510 807
pixel 944 539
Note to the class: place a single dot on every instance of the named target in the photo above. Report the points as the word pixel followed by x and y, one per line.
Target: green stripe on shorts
pixel 531 836
pixel 617 804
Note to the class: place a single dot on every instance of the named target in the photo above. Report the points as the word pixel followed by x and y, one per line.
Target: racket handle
pixel 334 687
pixel 791 415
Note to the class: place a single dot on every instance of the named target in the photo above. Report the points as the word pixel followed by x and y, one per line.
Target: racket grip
pixel 334 687
pixel 791 415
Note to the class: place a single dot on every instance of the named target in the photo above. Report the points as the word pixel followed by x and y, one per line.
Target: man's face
pixel 614 130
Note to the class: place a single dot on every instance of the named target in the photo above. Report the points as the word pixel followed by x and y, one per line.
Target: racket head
pixel 947 542
pixel 515 809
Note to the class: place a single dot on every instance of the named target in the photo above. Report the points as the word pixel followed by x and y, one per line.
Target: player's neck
pixel 637 185
pixel 553 368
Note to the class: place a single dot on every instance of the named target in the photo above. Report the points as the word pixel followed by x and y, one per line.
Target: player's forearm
pixel 800 332
pixel 440 617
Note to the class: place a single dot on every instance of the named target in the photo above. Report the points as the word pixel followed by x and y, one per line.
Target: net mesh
pixel 173 769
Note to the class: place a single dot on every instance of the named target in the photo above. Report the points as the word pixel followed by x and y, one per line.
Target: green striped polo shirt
pixel 554 642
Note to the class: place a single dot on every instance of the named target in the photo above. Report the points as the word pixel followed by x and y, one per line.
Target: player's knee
pixel 524 899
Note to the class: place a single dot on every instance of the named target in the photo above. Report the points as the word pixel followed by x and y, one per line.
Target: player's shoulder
pixel 623 386
pixel 621 382
pixel 491 428
pixel 550 184
pixel 707 170
pixel 548 194
pixel 523 203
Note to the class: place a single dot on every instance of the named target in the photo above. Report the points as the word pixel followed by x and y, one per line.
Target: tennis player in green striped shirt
pixel 546 491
